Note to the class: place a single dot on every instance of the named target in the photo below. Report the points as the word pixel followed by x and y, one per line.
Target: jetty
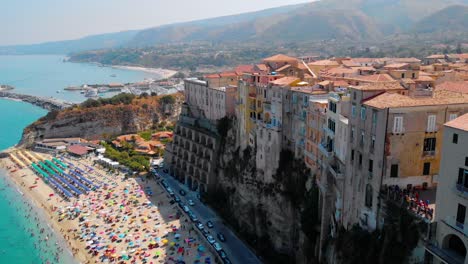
pixel 43 102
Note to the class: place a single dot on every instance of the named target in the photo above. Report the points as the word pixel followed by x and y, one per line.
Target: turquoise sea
pixel 38 75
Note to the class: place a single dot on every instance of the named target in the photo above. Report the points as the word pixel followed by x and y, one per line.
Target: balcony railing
pixel 453 223
pixel 324 149
pixel 336 172
pixel 443 254
pixel 429 153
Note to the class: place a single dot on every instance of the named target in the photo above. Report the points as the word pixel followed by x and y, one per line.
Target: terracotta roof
pixel 365 68
pixel 78 150
pixel 374 78
pixel 279 58
pixel 396 65
pixel 393 86
pixel 395 100
pixel 403 60
pixel 436 56
pixel 324 83
pixel 424 78
pixel 130 137
pixel 458 87
pixel 283 68
pixel 228 74
pixel 211 76
pixel 364 60
pixel 339 71
pixel 340 83
pixel 350 63
pixel 163 134
pixel 244 68
pixel 459 123
pixel 285 81
pixel 262 67
pixel 324 63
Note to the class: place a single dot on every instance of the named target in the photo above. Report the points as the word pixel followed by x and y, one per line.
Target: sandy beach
pixel 164 73
pixel 122 221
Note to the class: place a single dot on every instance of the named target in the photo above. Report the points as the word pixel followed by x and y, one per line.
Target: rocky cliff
pixel 101 121
pixel 269 216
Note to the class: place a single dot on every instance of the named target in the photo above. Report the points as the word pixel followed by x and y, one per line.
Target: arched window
pixel 369 196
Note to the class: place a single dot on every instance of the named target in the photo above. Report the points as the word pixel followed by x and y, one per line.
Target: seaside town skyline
pixel 317 132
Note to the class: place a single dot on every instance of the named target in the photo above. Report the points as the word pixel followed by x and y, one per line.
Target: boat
pixel 91 93
pixel 58 91
pixel 113 75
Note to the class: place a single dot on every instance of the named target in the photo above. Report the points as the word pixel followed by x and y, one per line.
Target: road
pixel 238 252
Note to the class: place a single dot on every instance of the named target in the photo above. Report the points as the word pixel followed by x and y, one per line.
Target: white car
pixel 190 202
pixel 200 226
pixel 217 246
pixel 186 209
pixel 210 239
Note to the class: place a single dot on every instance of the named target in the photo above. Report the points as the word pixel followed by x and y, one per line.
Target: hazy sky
pixel 33 21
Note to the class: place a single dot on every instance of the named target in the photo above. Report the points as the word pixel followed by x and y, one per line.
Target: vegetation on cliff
pixel 393 244
pixel 127 156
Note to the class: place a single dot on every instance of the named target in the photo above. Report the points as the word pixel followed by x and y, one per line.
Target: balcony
pixel 324 148
pixel 454 224
pixel 253 95
pixel 462 190
pixel 311 155
pixel 336 172
pixel 329 132
pixel 429 153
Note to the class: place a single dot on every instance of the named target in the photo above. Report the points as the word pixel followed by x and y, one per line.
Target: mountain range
pixel 350 20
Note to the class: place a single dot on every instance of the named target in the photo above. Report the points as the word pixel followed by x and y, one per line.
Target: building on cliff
pixel 450 243
pixel 191 155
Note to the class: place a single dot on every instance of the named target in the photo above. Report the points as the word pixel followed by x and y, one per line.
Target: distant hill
pixel 102 41
pixel 450 19
pixel 354 20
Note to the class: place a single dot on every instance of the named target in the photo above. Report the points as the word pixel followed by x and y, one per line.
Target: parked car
pixel 222 254
pixel 190 202
pixel 217 246
pixel 205 232
pixel 176 198
pixel 226 261
pixel 221 237
pixel 182 192
pixel 210 239
pixel 209 224
pixel 172 202
pixel 186 209
pixel 200 226
pixel 193 217
pixel 181 205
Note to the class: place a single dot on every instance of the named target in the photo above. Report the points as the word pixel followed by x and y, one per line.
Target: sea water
pixel 38 75
pixel 25 235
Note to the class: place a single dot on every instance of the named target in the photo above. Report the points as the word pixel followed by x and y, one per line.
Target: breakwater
pixel 43 102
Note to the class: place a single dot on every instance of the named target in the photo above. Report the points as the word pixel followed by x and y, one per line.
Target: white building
pixel 451 237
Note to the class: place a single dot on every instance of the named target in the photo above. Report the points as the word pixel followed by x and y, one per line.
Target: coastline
pixel 162 221
pixel 40 200
pixel 164 73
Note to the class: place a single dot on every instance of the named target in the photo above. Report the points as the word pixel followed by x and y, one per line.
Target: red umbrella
pixel 50 195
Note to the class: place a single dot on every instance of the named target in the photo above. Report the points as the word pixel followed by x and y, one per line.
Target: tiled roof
pixel 458 87
pixel 350 63
pixel 396 65
pixel 285 81
pixel 243 68
pixel 283 68
pixel 374 78
pixel 228 74
pixel 403 60
pixel 340 83
pixel 279 58
pixel 324 63
pixel 212 76
pixel 262 67
pixel 459 123
pixel 436 56
pixel 393 86
pixel 339 71
pixel 78 150
pixel 395 100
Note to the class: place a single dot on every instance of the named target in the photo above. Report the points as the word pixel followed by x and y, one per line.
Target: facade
pixel 394 140
pixel 451 237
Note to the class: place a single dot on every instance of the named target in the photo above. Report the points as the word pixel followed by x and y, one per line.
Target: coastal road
pixel 237 251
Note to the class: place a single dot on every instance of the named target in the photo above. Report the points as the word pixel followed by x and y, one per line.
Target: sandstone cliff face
pixel 103 121
pixel 267 215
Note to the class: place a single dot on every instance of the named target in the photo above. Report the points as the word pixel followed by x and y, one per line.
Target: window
pixel 354 95
pixel 360 160
pixel 374 118
pixel 368 201
pixel 371 165
pixel 398 125
pixel 431 123
pixel 352 134
pixel 363 113
pixel 429 145
pixel 332 107
pixel 461 212
pixel 402 75
pixel 361 141
pixel 427 168
pixel 372 145
pixel 466 161
pixel 413 75
pixel 455 138
pixel 394 171
pixel 452 117
pixel 352 155
pixel 353 110
pixel 462 177
pixel 331 125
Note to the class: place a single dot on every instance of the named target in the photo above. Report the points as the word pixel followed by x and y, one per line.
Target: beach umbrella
pixel 51 194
